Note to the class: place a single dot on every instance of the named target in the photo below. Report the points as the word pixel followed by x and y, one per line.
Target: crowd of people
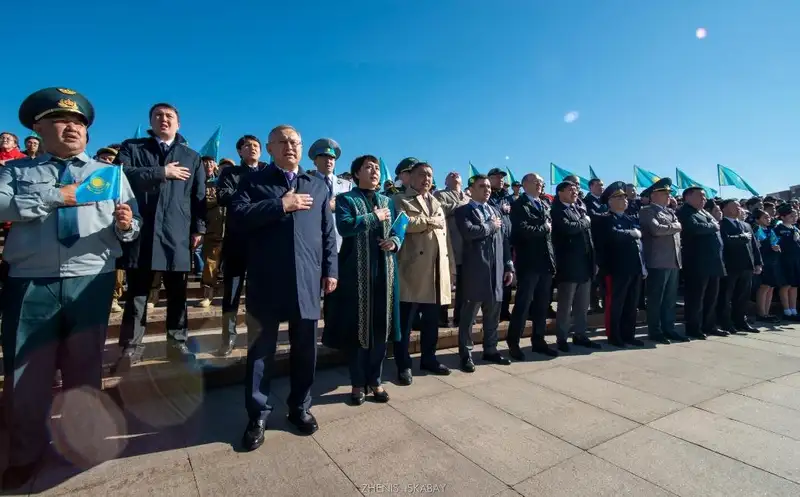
pixel 311 244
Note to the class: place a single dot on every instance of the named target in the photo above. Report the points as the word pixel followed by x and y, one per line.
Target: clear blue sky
pixel 448 81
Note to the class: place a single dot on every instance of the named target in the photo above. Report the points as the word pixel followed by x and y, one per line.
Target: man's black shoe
pixel 227 347
pixel 583 341
pixel 616 343
pixel 677 338
pixel 404 377
pixel 661 339
pixel 304 421
pixel 496 358
pixel 179 352
pixel 696 336
pixel 542 348
pixel 467 365
pixel 717 333
pixel 254 435
pixel 563 346
pixel 635 342
pixel 746 327
pixel 516 353
pixel 436 368
pixel 130 357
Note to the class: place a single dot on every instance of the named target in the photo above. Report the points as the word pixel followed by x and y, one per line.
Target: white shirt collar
pixel 731 219
pixel 160 141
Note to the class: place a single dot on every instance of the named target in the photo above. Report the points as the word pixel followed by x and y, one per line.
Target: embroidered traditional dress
pixel 364 309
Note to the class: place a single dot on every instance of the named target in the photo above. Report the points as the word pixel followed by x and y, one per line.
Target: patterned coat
pixel 350 310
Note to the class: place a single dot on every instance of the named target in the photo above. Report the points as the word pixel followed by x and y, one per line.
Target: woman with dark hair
pixel 789 242
pixel 365 308
pixel 770 277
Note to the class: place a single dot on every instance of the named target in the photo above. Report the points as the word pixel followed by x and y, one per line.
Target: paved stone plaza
pixel 713 418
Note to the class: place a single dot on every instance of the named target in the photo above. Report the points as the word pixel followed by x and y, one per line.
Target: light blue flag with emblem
pixel 385 174
pixel 592 174
pixel 473 171
pixel 139 133
pixel 642 178
pixel 557 175
pixel 683 181
pixel 399 226
pixel 511 176
pixel 211 148
pixel 103 184
pixel 729 177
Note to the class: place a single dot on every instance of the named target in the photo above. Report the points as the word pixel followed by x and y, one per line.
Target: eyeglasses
pixel 288 143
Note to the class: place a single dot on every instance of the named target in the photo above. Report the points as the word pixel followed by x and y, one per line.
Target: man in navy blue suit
pixel 285 214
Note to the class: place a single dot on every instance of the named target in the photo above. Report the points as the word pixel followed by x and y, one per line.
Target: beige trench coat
pixel 424 259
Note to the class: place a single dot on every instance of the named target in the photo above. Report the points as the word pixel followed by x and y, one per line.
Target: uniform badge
pixel 66 103
pixel 67 91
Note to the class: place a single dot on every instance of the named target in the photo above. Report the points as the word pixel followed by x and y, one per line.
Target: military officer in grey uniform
pixel 61 256
pixel 324 153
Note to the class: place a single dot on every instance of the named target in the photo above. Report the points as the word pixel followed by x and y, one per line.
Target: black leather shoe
pixel 496 358
pixel 563 346
pixel 696 336
pixel 227 347
pixel 614 342
pixel 179 352
pixel 437 369
pixel 584 341
pixel 746 327
pixel 467 365
pixel 677 338
pixel 304 421
pixel 635 342
pixel 130 356
pixel 404 377
pixel 254 435
pixel 357 398
pixel 381 396
pixel 542 348
pixel 717 333
pixel 15 477
pixel 661 339
pixel 516 353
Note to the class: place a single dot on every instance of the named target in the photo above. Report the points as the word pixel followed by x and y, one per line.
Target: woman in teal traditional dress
pixel 365 308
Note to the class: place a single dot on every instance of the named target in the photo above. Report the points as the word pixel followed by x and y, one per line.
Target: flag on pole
pixel 592 174
pixel 472 170
pixel 729 177
pixel 385 174
pixel 211 148
pixel 103 184
pixel 558 174
pixel 683 181
pixel 139 133
pixel 642 178
pixel 511 176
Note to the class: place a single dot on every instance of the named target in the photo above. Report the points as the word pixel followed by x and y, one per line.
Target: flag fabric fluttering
pixel 139 133
pixel 103 184
pixel 729 177
pixel 211 148
pixel 399 226
pixel 473 171
pixel 683 181
pixel 386 175
pixel 511 177
pixel 592 174
pixel 557 175
pixel 642 178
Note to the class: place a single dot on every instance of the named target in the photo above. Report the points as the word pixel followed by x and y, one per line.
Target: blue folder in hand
pixel 399 227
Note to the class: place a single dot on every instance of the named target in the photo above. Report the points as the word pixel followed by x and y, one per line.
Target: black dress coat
pixel 701 243
pixel 572 243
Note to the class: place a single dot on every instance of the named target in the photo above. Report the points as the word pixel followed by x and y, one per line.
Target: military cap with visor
pixel 615 189
pixel 325 146
pixel 662 185
pixel 54 101
pixel 496 171
pixel 405 165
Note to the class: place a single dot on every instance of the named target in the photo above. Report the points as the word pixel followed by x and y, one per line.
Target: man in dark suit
pixel 701 248
pixel 285 214
pixel 575 266
pixel 595 207
pixel 535 264
pixel 742 257
pixel 170 186
pixel 619 247
pixel 234 244
pixel 488 269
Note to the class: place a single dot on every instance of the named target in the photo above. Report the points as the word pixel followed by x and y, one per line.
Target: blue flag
pixel 683 181
pixel 511 176
pixel 139 133
pixel 729 177
pixel 642 178
pixel 211 148
pixel 592 174
pixel 399 226
pixel 557 175
pixel 103 184
pixel 385 174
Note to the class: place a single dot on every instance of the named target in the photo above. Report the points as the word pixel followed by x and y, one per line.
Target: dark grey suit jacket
pixel 486 254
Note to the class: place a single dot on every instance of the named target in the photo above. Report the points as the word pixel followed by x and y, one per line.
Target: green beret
pixel 54 100
pixel 405 165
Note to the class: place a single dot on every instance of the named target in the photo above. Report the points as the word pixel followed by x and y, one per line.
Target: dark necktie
pixel 164 147
pixel 67 217
pixel 290 176
pixel 329 182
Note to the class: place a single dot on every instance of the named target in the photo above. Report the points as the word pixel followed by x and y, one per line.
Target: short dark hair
pixel 359 161
pixel 419 165
pixel 246 138
pixel 593 181
pixel 478 177
pixel 759 213
pixel 163 105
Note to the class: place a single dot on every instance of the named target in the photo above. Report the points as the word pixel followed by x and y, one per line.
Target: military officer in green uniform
pixel 403 173
pixel 61 255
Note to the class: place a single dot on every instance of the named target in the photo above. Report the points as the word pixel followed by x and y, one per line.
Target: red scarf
pixel 12 154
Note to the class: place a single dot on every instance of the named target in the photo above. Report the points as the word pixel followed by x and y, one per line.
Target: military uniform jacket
pixel 172 210
pixel 619 245
pixel 531 236
pixel 741 251
pixel 661 237
pixel 701 244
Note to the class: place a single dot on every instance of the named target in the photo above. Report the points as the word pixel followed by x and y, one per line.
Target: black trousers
pixel 700 296
pixel 597 292
pixel 532 300
pixel 262 331
pixel 734 294
pixel 429 334
pixel 621 305
pixel 134 317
